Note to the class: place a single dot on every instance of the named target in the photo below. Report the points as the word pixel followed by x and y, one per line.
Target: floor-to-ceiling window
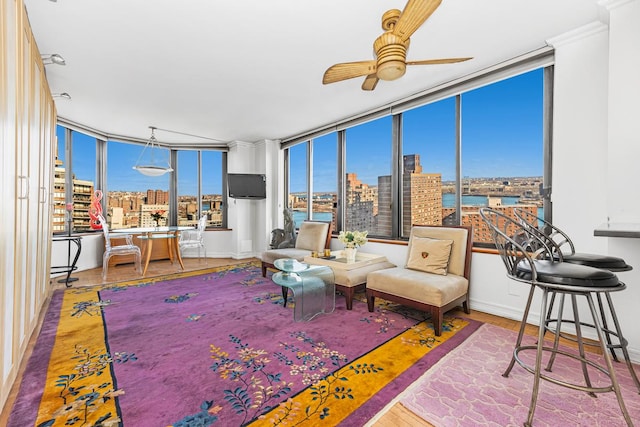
pixel 481 146
pixel 298 172
pixel 124 196
pixel 502 149
pixel 325 178
pixel 212 201
pixel 368 177
pixel 199 186
pixel 428 175
pixel 134 199
pixel 74 180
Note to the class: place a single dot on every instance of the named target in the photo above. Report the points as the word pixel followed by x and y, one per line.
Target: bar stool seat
pixel 561 273
pixel 605 262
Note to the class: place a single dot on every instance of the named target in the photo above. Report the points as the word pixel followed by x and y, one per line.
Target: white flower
pixel 353 239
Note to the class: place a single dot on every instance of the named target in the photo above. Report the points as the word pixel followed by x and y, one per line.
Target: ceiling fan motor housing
pixel 391 54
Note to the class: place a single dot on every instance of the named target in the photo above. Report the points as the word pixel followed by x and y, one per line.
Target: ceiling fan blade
pixel 370 82
pixel 438 61
pixel 414 15
pixel 348 70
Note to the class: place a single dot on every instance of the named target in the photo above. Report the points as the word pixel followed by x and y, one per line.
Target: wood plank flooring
pixel 396 416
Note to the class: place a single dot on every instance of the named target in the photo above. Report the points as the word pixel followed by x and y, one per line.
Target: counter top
pixel 618 229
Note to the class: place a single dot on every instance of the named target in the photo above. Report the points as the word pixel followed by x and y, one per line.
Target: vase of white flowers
pixel 352 240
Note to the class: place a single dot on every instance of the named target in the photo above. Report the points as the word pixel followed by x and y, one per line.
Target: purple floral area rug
pixel 466 388
pixel 220 349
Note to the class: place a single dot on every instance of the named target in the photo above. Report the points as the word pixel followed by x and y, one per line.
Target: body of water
pixel 448 201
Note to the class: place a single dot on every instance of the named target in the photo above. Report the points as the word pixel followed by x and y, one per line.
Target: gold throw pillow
pixel 429 255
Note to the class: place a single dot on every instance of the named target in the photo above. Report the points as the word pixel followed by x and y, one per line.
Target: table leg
pixel 170 247
pixel 147 249
pixel 176 247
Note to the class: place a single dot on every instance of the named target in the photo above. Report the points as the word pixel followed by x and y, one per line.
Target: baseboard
pixel 533 318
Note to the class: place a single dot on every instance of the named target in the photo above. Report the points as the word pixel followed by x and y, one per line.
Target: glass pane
pixel 212 187
pixel 60 168
pixel 368 177
pixel 429 165
pixel 502 148
pixel 133 197
pixel 83 156
pixel 325 178
pixel 188 210
pixel 298 182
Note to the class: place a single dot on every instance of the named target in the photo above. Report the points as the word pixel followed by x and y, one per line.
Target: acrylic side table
pixel 313 287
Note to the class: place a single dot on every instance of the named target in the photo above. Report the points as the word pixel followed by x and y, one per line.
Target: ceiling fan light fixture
pixel 152 167
pixel 391 70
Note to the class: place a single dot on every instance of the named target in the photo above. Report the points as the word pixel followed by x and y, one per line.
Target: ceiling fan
pixel 390 48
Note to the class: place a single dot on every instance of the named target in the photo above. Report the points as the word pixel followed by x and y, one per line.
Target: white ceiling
pixel 248 70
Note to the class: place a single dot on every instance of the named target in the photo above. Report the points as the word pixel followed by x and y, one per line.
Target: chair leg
pixel 465 305
pixel 138 263
pixel 622 340
pixel 285 295
pixel 576 319
pixel 105 267
pixel 264 269
pixel 437 317
pixel 523 324
pixel 537 371
pixel 607 358
pixel 558 321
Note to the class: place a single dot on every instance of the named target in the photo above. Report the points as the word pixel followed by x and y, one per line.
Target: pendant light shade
pixel 148 165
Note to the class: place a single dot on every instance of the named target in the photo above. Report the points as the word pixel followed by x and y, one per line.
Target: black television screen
pixel 247 186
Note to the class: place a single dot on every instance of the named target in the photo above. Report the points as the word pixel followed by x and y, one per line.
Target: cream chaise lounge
pixel 312 236
pixel 436 275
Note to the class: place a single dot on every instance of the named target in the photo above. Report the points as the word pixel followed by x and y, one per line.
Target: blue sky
pixel 501 136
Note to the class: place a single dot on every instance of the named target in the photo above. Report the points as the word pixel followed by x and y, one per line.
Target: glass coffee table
pixel 313 287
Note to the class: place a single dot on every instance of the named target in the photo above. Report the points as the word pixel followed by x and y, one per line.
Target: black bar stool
pixel 556 240
pixel 529 259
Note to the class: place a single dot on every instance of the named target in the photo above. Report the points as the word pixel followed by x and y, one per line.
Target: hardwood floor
pixel 396 416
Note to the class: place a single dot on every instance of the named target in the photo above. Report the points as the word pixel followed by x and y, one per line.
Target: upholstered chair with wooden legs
pixel 436 276
pixel 312 236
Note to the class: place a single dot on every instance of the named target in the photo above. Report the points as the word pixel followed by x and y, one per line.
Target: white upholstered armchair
pixel 312 236
pixel 436 275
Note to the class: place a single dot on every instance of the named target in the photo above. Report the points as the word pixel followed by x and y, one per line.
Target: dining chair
pixel 194 238
pixel 128 248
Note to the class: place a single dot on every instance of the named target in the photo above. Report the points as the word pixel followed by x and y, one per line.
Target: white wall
pixel 622 172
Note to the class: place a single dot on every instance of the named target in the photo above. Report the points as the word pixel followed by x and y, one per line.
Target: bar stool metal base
pixel 581 356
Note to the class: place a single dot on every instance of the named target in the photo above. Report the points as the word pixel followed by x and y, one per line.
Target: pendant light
pixel 153 167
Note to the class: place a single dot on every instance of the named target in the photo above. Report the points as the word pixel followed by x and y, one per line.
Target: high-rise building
pixel 362 205
pixel 81 192
pixel 383 220
pixel 421 195
pixel 157 197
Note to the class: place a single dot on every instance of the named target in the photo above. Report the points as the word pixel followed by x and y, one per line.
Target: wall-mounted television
pixel 247 186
